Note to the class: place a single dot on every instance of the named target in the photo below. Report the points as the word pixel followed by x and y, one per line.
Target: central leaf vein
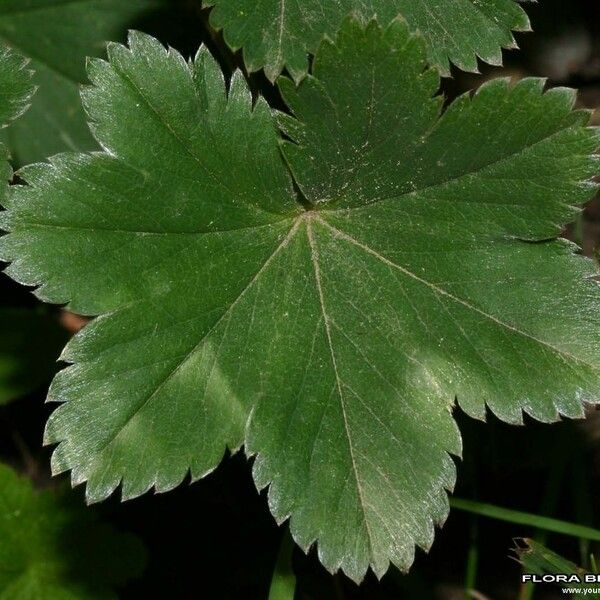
pixel 326 320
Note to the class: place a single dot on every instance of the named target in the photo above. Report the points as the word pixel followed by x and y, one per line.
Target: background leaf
pixel 16 88
pixel 57 36
pixel 29 341
pixel 52 549
pixel 275 33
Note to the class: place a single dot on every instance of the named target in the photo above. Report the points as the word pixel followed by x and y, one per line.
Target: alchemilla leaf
pixel 330 332
pixel 16 88
pixel 53 549
pixel 16 91
pixel 276 34
pixel 29 340
pixel 57 36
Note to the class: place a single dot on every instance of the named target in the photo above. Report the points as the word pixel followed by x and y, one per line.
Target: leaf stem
pixel 283 582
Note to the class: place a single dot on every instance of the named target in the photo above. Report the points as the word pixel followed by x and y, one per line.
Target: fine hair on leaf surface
pixel 329 336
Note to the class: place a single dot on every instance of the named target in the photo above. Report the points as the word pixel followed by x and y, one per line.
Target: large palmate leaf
pixel 52 549
pixel 331 331
pixel 276 33
pixel 57 35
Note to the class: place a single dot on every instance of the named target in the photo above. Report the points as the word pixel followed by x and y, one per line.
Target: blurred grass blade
pixel 522 518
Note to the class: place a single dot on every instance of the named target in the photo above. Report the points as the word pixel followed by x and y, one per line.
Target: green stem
pixel 283 582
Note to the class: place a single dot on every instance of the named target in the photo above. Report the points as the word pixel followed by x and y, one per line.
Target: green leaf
pixel 331 332
pixel 53 549
pixel 30 342
pixel 16 87
pixel 57 35
pixel 536 558
pixel 16 91
pixel 539 560
pixel 277 34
